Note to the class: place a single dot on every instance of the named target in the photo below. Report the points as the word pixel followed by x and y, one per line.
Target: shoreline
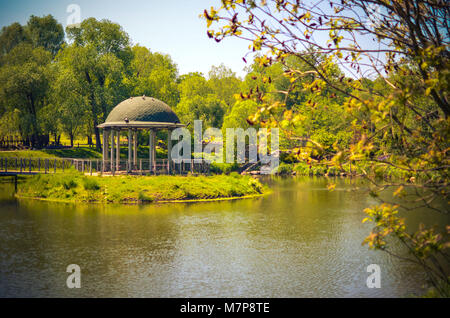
pixel 133 190
pixel 251 196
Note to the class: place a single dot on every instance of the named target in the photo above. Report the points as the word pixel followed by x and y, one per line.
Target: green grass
pixel 82 152
pixel 75 187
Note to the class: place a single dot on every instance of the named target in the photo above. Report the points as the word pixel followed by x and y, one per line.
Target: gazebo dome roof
pixel 143 108
pixel 141 111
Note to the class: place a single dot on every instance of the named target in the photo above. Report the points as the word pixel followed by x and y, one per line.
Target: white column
pixel 105 149
pixel 135 144
pixel 106 144
pixel 129 150
pixel 103 146
pixel 112 150
pixel 118 151
pixel 151 145
pixel 154 149
pixel 169 150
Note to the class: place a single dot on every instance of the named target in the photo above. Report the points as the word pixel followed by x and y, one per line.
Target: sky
pixel 168 26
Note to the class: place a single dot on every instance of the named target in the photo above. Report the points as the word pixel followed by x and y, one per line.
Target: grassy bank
pixel 82 152
pixel 75 187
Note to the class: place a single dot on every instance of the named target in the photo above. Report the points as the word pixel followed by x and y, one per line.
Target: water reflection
pixel 300 241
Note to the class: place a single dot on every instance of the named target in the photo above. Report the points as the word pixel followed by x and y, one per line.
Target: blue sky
pixel 168 26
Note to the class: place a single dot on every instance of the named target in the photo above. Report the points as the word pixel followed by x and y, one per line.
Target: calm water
pixel 300 241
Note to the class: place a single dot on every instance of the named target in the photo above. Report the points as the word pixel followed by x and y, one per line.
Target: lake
pixel 299 241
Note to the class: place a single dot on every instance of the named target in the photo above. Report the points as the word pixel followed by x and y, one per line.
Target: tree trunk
pixel 98 144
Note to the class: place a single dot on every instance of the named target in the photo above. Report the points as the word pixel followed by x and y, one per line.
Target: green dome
pixel 142 109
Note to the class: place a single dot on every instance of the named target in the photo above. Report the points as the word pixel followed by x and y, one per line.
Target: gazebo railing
pixel 91 166
pixel 141 166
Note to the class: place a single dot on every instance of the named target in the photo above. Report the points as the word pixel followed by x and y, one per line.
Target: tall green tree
pixel 153 74
pixel 11 36
pixel 240 112
pixel 209 109
pixel 199 102
pixel 24 83
pixel 69 101
pixel 45 32
pixel 224 84
pixel 98 57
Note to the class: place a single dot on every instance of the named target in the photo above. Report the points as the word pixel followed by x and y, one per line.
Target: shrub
pixel 301 169
pixel 69 184
pixel 91 184
pixel 332 171
pixel 256 185
pixel 143 197
pixel 285 169
pixel 226 168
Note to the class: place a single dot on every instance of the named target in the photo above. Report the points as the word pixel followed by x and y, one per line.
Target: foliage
pixel 97 59
pixel 237 117
pixel 223 168
pixel 90 184
pixel 11 36
pixel 46 32
pixel 24 83
pixel 153 74
pixel 208 108
pixel 224 84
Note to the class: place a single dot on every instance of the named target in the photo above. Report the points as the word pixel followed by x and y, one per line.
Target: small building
pixel 131 115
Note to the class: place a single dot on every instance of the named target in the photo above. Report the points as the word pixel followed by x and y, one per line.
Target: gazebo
pixel 133 114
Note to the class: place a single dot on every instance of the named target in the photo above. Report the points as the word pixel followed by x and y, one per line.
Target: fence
pixel 142 166
pixel 34 165
pixel 13 142
pixel 90 166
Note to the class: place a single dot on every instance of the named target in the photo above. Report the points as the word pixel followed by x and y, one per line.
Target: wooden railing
pixel 142 166
pixel 34 165
pixel 99 166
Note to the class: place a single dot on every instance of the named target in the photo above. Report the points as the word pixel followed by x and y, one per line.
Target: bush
pixel 332 171
pixel 285 169
pixel 69 184
pixel 143 197
pixel 223 168
pixel 288 157
pixel 91 184
pixel 256 185
pixel 302 169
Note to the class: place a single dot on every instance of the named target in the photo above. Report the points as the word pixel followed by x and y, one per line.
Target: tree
pixel 98 57
pixel 237 117
pixel 153 74
pixel 24 80
pixel 193 84
pixel 224 84
pixel 11 36
pixel 45 32
pixel 69 101
pixel 199 102
pixel 404 47
pixel 208 108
